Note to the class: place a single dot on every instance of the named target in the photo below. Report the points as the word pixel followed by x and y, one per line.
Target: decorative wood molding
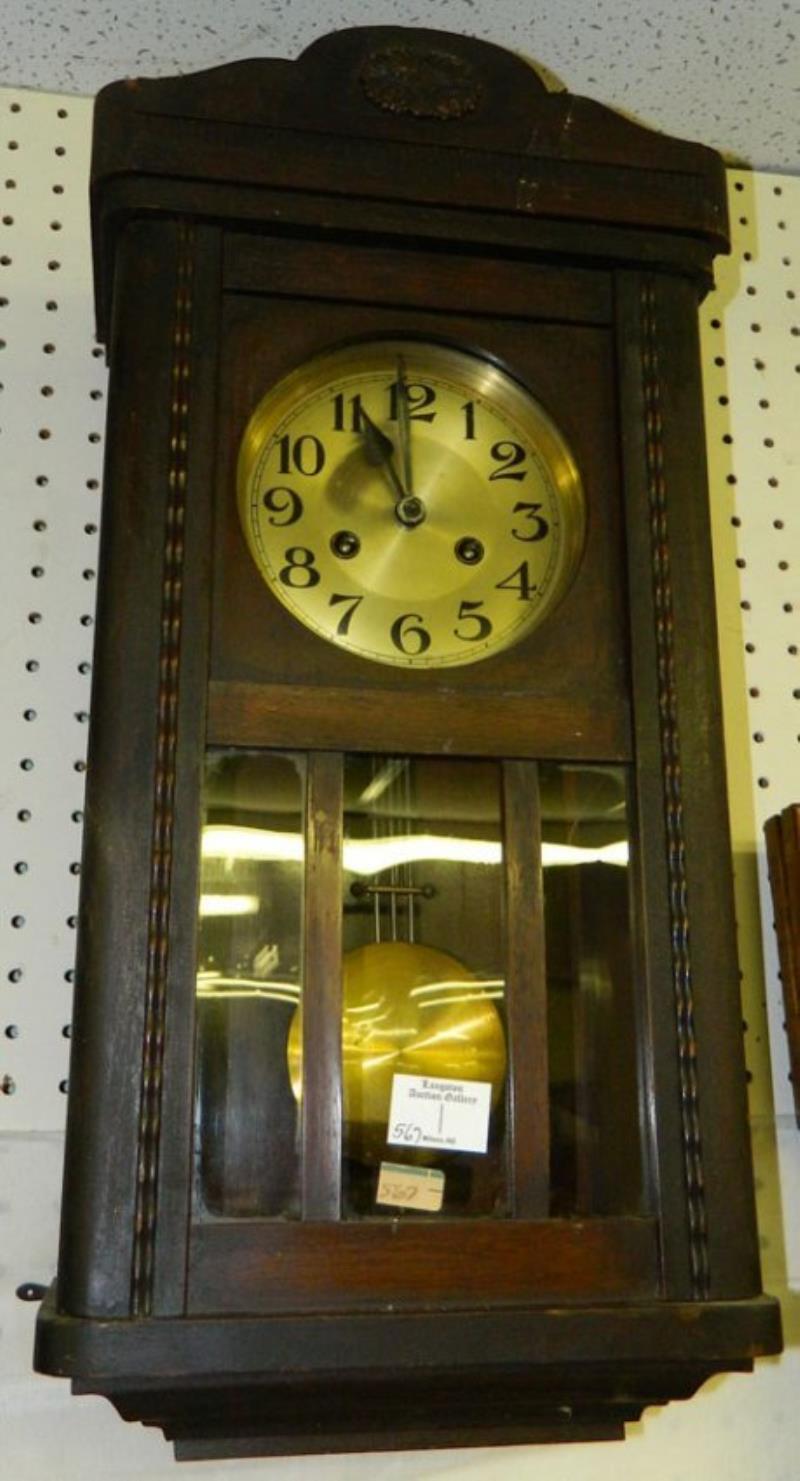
pixel 164 790
pixel 424 81
pixel 673 797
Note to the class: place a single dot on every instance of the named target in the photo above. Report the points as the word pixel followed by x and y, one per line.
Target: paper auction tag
pixel 450 1114
pixel 410 1187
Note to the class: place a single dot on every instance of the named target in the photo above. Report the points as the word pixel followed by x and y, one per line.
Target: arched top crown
pixel 403 83
pixel 407 132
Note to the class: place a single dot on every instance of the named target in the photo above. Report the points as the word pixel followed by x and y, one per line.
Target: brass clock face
pixel 410 502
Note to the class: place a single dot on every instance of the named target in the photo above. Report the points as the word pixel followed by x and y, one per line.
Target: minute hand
pixel 404 428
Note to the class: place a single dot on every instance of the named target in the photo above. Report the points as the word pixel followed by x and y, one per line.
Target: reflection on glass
pixel 248 984
pixel 423 987
pixel 596 1151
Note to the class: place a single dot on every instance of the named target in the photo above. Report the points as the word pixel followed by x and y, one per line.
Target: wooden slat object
pixel 420 280
pixel 322 990
pixel 275 1266
pixel 526 991
pixel 196 319
pixel 114 1006
pixel 244 714
pixel 782 833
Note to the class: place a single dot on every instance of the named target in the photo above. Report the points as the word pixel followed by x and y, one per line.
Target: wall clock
pixel 407 1099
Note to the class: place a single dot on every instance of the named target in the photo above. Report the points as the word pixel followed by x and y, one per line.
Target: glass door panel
pixel 461 931
pixel 248 983
pixel 596 1141
pixel 424 1050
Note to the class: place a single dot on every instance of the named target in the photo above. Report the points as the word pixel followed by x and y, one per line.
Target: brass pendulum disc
pixel 412 1010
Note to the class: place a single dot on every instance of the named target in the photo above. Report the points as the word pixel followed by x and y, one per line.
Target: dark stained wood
pixel 466 1428
pixel 243 714
pixel 519 185
pixel 661 1092
pixel 422 280
pixel 712 1010
pixel 437 1377
pixel 173 1193
pixel 693 1039
pixel 516 149
pixel 507 107
pixel 526 992
pixel 320 217
pixel 101 1171
pixel 259 1266
pixel 321 1109
pixel 545 1336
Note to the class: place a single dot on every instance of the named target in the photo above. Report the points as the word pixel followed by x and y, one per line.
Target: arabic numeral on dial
pixel 285 504
pixel 346 413
pixel 343 625
pixel 304 454
pixel 419 398
pixel 469 421
pixel 519 580
pixel 409 636
pixel 300 570
pixel 508 455
pixel 468 612
pixel 540 528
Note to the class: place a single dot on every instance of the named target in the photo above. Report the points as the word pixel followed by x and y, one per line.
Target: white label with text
pixel 450 1114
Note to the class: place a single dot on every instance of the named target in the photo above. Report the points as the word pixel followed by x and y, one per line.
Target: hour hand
pixel 380 453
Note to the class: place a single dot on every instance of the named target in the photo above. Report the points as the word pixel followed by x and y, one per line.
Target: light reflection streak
pixel 368 856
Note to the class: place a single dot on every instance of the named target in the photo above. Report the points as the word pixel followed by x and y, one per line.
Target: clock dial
pixel 410 502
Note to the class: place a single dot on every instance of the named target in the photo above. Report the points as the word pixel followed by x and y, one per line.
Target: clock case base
pixel 251 1387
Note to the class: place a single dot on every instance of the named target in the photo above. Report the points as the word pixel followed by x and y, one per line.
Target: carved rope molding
pixel 673 798
pixel 164 789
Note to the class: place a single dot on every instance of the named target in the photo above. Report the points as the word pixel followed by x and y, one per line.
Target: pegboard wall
pixel 51 416
pixel 52 387
pixel 751 350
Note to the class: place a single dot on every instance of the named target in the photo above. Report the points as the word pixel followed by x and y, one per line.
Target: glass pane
pixel 424 1043
pixel 248 983
pixel 596 1150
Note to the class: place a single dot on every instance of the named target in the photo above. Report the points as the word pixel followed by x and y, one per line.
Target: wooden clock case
pixel 398 182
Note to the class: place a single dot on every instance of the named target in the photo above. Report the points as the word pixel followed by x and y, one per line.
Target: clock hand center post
pixel 410 511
